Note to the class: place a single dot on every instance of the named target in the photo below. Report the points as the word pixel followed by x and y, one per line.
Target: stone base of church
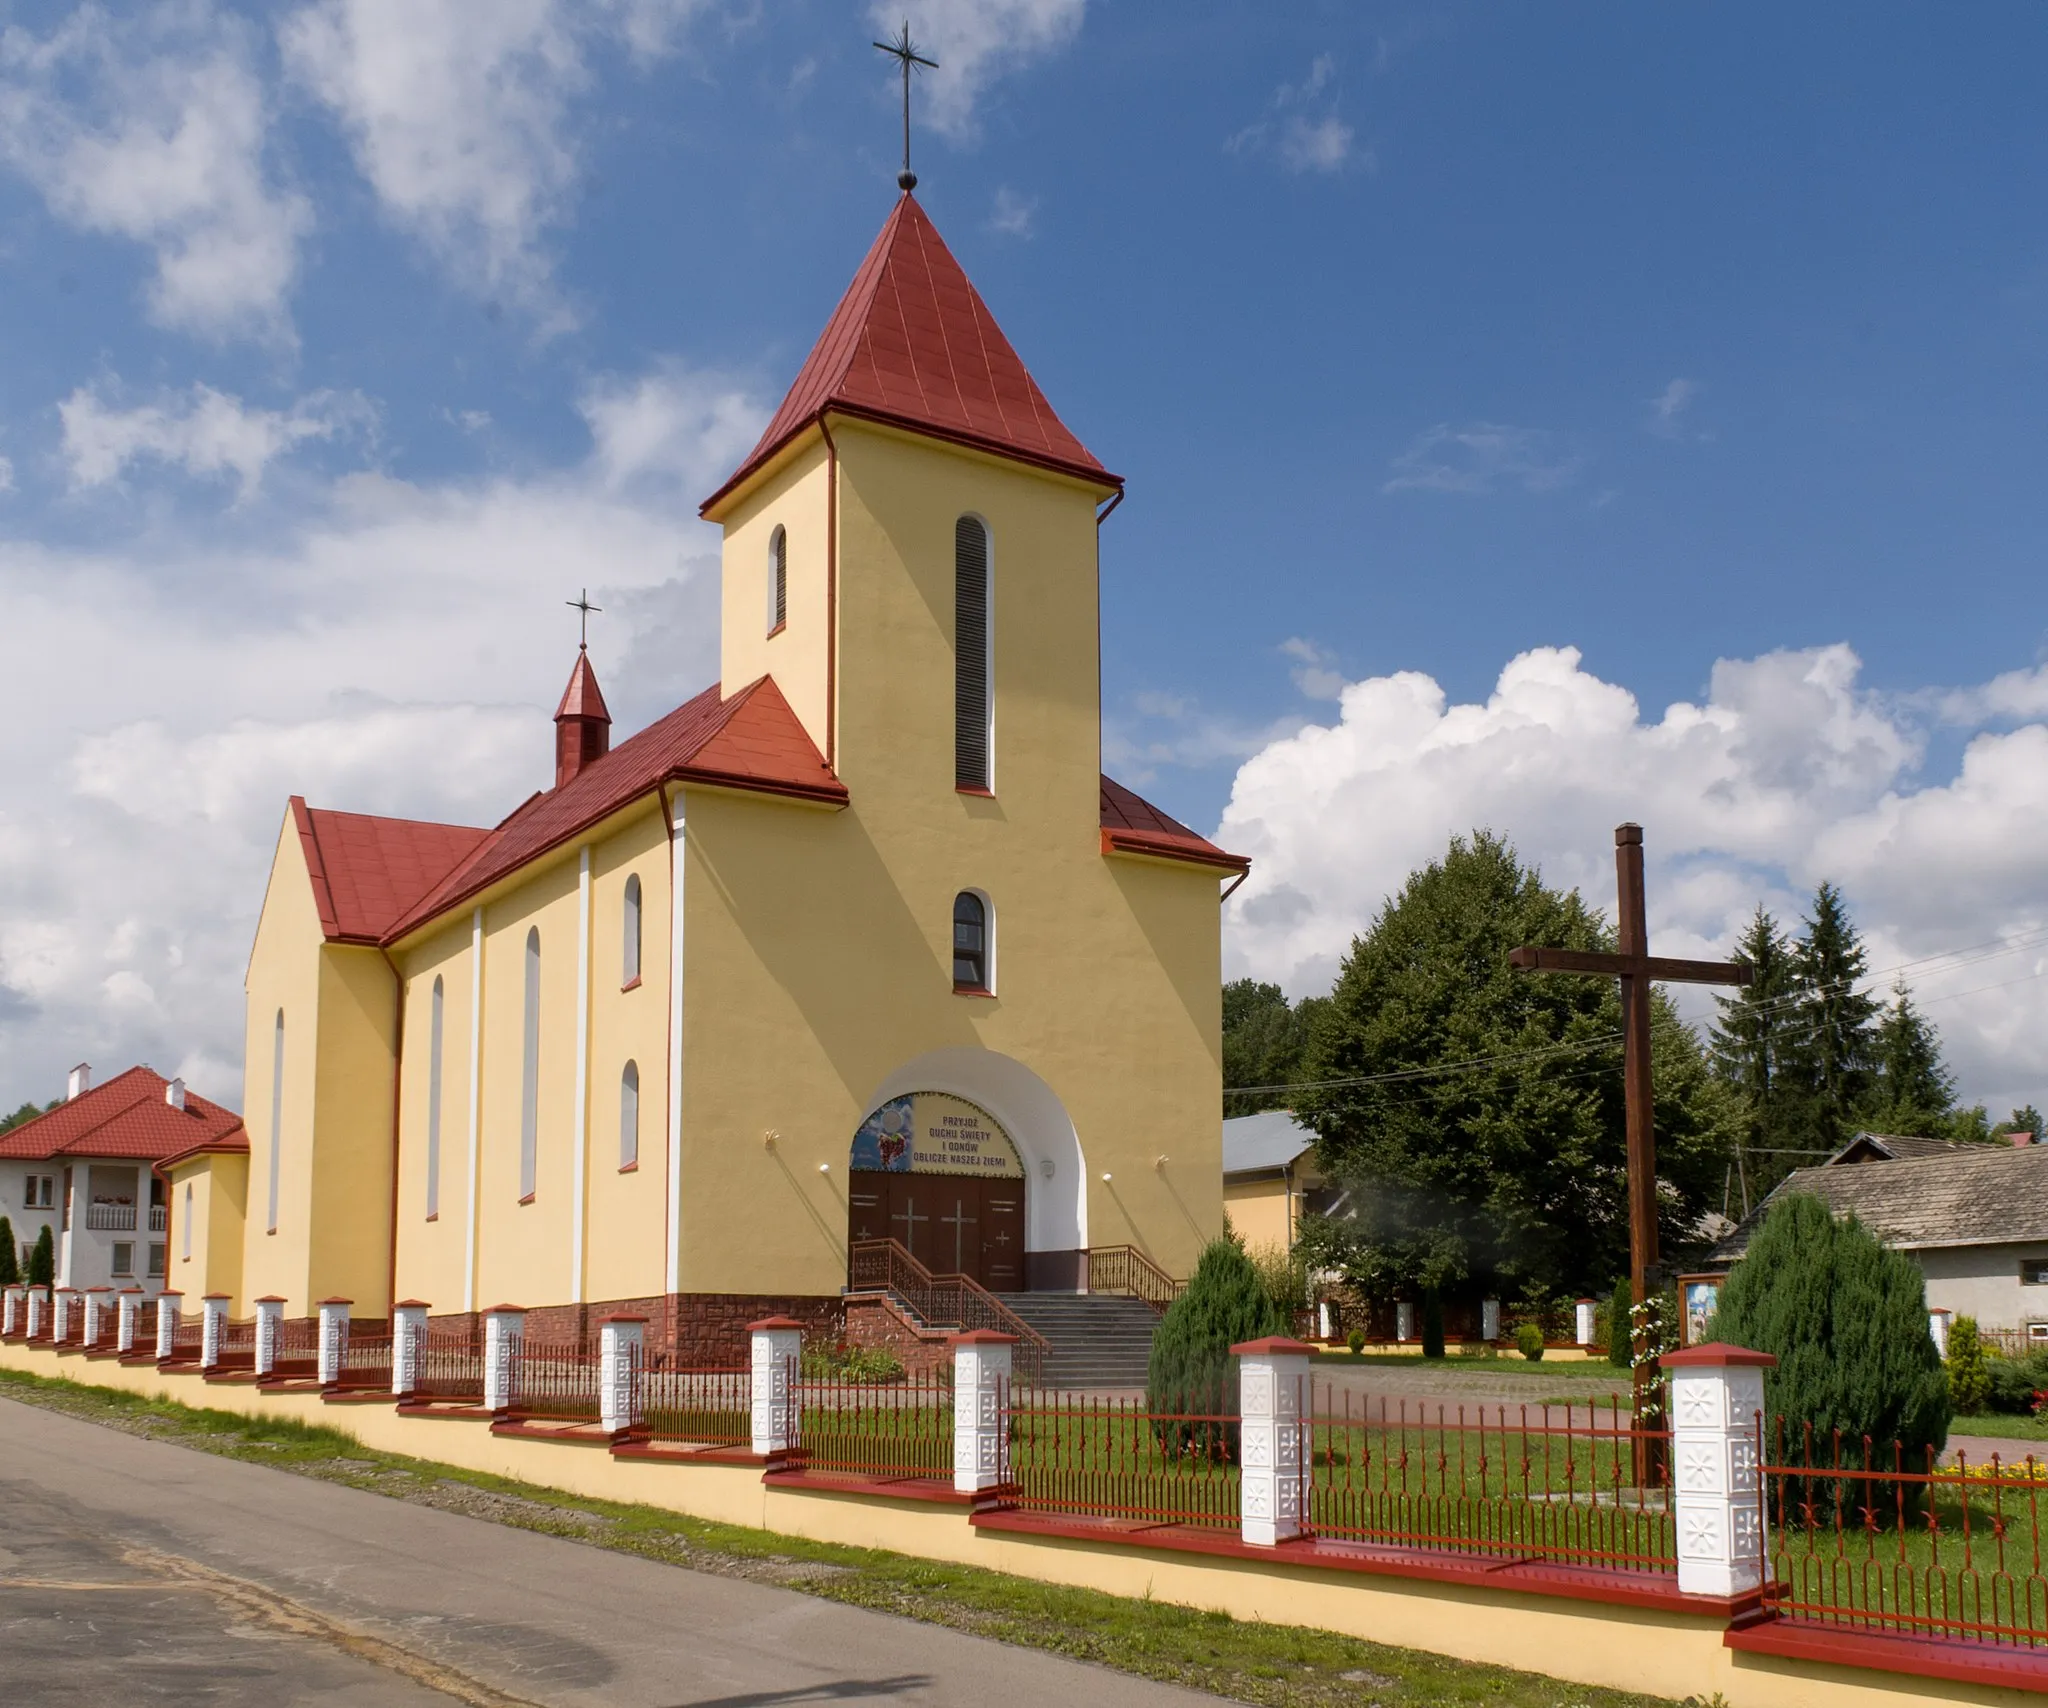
pixel 704 1331
pixel 875 1320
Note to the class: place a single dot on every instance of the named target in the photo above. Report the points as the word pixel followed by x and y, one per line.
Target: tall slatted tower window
pixel 434 1031
pixel 778 579
pixel 276 1128
pixel 971 686
pixel 529 1073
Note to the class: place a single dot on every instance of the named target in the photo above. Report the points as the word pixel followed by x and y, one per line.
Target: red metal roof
pixel 127 1118
pixel 1133 825
pixel 583 698
pixel 367 872
pixel 912 343
pixel 751 741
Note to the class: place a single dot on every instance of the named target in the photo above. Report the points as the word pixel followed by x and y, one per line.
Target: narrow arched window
pixel 529 1072
pixel 970 942
pixel 185 1232
pixel 972 701
pixel 629 1116
pixel 629 964
pixel 778 579
pixel 276 1126
pixel 434 1103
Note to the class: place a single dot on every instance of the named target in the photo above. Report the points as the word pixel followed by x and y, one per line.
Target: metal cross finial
pixel 904 49
pixel 582 603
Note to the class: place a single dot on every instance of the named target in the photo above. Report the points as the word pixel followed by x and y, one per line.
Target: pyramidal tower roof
pixel 912 344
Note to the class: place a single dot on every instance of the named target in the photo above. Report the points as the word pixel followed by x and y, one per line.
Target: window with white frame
pixel 185 1227
pixel 629 949
pixel 778 579
pixel 124 1257
pixel 41 1193
pixel 973 943
pixel 156 1262
pixel 629 1116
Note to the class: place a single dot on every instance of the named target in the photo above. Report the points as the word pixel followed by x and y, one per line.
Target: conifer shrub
pixel 1619 1351
pixel 42 1262
pixel 2012 1383
pixel 10 1255
pixel 1969 1371
pixel 1529 1340
pixel 1192 1374
pixel 1432 1324
pixel 1356 1341
pixel 1846 1319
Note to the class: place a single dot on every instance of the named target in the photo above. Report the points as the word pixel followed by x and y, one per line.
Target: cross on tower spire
pixel 904 49
pixel 581 603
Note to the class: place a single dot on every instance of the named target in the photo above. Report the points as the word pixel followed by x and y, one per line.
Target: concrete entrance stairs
pixel 1095 1340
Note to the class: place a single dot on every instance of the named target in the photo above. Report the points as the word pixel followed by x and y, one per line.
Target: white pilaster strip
pixel 476 1099
pixel 674 1280
pixel 580 1188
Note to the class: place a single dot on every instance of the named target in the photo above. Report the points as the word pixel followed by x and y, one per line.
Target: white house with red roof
pixel 88 1171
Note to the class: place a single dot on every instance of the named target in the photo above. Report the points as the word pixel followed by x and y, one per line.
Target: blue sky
pixel 349 337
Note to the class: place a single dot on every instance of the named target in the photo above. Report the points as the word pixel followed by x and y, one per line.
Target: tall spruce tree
pixel 1512 1171
pixel 42 1261
pixel 1835 1048
pixel 10 1254
pixel 2027 1120
pixel 1915 1093
pixel 1753 1050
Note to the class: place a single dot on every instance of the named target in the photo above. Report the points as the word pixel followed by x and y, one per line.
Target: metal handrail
pixel 939 1301
pixel 1126 1269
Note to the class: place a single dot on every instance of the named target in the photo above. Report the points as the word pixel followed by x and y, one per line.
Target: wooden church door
pixel 1002 1236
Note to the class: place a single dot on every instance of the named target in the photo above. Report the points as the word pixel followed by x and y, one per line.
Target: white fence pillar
pixel 981 1384
pixel 127 1314
pixel 333 1339
pixel 621 1340
pixel 10 1310
pixel 1489 1319
pixel 63 1314
pixel 778 1346
pixel 269 1330
pixel 168 1306
pixel 1717 1396
pixel 1937 1327
pixel 408 1344
pixel 1404 1321
pixel 96 1315
pixel 1272 1398
pixel 504 1329
pixel 1583 1319
pixel 38 1311
pixel 213 1322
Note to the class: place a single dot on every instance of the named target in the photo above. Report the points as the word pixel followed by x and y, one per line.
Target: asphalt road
pixel 135 1571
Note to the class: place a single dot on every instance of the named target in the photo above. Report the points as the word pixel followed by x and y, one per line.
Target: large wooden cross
pixel 1637 969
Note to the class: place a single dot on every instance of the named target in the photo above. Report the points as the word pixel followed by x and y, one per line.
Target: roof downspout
pixel 1234 882
pixel 831 596
pixel 397 1085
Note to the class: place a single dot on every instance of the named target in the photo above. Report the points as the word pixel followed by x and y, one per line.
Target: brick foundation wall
pixel 694 1330
pixel 875 1321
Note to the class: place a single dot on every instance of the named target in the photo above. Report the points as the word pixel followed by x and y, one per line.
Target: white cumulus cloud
pixel 1482 457
pixel 204 432
pixel 1786 773
pixel 458 114
pixel 671 423
pixel 152 124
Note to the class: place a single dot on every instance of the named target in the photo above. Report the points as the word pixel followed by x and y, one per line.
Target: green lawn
pixel 1507 1364
pixel 2001 1424
pixel 1245 1662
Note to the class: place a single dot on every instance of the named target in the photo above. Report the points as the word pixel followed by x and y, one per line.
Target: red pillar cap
pixel 982 1337
pixel 773 1323
pixel 99 1289
pixel 203 1297
pixel 620 1317
pixel 1270 1346
pixel 506 1310
pixel 273 1299
pixel 336 1301
pixel 412 1305
pixel 1717 1354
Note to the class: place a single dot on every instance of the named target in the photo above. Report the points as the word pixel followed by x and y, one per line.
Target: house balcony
pixel 159 1218
pixel 111 1218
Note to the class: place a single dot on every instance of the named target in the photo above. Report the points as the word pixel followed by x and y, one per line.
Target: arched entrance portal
pixel 942 1178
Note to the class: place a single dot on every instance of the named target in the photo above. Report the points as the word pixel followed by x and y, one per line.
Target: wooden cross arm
pixel 1653 967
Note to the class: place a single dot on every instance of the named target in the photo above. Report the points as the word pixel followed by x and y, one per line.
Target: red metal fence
pixel 557 1380
pixel 700 1408
pixel 366 1362
pixel 875 1429
pixel 296 1357
pixel 1860 1537
pixel 1113 1459
pixel 450 1369
pixel 236 1348
pixel 1548 1482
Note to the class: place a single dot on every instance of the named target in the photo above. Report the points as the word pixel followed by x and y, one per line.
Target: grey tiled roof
pixel 1973 1195
pixel 1898 1147
pixel 1270 1139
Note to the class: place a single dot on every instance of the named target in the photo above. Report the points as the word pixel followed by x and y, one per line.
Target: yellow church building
pixel 857 945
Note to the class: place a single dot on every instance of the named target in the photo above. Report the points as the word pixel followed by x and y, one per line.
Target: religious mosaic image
pixel 929 1132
